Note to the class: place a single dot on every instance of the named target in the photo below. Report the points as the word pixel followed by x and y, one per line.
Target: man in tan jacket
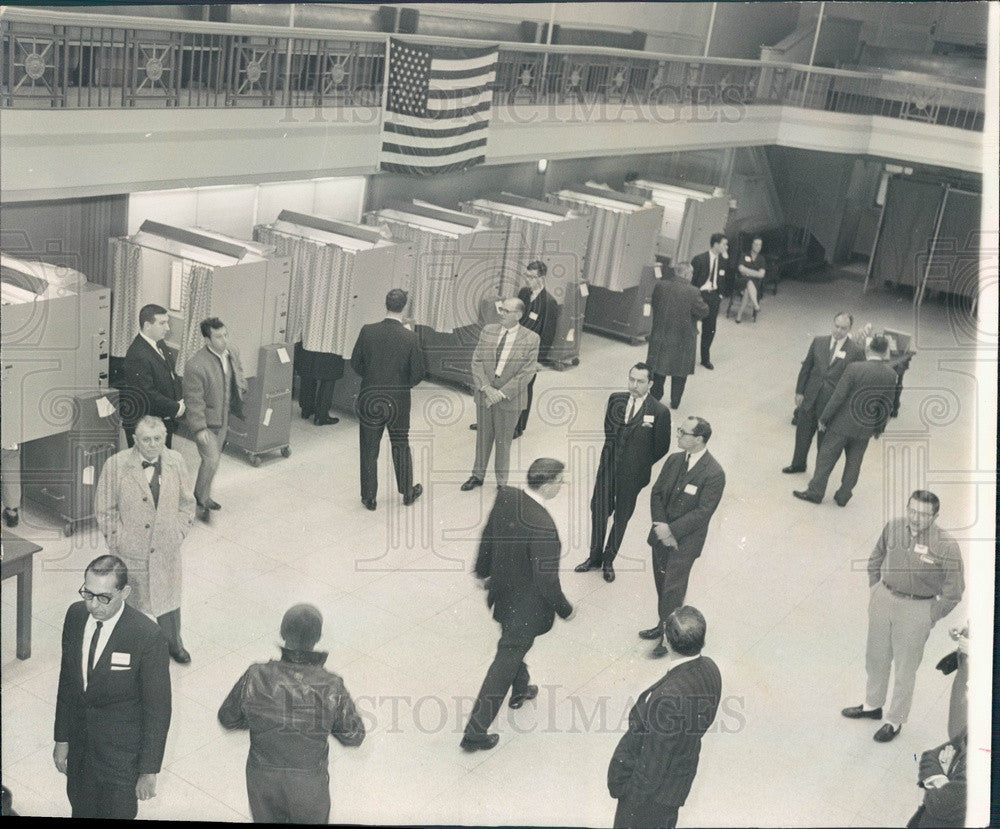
pixel 144 508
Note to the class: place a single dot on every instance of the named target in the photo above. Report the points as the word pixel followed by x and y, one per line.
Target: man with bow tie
pixel 214 387
pixel 144 508
pixel 682 502
pixel 149 384
pixel 636 435
pixel 113 703
pixel 709 276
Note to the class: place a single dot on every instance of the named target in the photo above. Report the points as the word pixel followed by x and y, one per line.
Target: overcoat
pixel 677 307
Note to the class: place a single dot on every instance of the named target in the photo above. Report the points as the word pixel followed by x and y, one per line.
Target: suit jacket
pixel 945 806
pixel 677 307
pixel 686 501
pixel 862 401
pixel 519 554
pixel 656 759
pixel 818 377
pixel 540 315
pixel 389 360
pixel 150 384
pixel 630 449
pixel 208 399
pixel 702 270
pixel 118 726
pixel 517 372
pixel 147 537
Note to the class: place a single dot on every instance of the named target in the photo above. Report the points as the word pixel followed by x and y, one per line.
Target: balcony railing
pixel 69 60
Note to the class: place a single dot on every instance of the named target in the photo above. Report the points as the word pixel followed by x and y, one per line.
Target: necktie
pixel 161 350
pixel 93 650
pixel 687 463
pixel 500 345
pixel 629 410
pixel 833 350
pixel 154 482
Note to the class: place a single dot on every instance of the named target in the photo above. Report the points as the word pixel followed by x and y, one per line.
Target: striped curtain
pixel 125 258
pixel 197 305
pixel 606 244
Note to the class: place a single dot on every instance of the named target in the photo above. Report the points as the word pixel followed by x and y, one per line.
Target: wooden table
pixel 18 560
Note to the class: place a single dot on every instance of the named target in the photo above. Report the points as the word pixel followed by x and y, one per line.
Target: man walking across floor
pixel 654 765
pixel 214 386
pixel 821 370
pixel 388 359
pixel 149 384
pixel 541 312
pixel 857 410
pixel 504 362
pixel 636 436
pixel 682 502
pixel 291 707
pixel 709 274
pixel 144 508
pixel 519 563
pixel 113 703
pixel 914 579
pixel 677 307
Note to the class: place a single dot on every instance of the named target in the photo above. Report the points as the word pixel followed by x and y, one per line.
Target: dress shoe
pixel 707 364
pixel 841 502
pixel 655 632
pixel 609 573
pixel 306 415
pixel 793 470
pixel 584 566
pixel 472 483
pixel 737 320
pixel 484 743
pixel 213 505
pixel 369 503
pixel 11 517
pixel 857 712
pixel 203 514
pixel 803 495
pixel 659 651
pixel 473 426
pixel 518 433
pixel 886 733
pixel 321 420
pixel 416 492
pixel 517 700
pixel 179 654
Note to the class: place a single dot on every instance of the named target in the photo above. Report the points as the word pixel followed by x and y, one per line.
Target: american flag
pixel 438 108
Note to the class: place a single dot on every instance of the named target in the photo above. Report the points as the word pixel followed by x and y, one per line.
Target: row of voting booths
pixel 58 410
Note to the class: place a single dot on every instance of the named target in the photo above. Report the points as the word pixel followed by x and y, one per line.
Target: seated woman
pixel 752 267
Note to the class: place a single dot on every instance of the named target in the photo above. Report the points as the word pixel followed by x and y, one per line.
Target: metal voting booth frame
pixel 197 273
pixel 57 407
pixel 329 304
pixel 557 236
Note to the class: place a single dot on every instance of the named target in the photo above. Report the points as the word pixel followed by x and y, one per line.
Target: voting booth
pixel 457 278
pixel 620 268
pixel 195 274
pixel 691 214
pixel 340 275
pixel 555 235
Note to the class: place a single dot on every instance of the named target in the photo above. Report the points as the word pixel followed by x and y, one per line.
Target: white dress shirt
pixel 694 457
pixel 88 633
pixel 634 405
pixel 680 660
pixel 508 343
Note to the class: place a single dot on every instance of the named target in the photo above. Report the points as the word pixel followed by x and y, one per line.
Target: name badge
pixel 690 489
pixel 722 271
pixel 532 315
pixel 840 355
pixel 648 419
pixel 118 658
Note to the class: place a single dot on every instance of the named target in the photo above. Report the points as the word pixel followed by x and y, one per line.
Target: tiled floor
pixel 781 583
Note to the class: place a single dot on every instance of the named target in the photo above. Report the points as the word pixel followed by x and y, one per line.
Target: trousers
pixel 708 323
pixel 522 421
pixel 373 420
pixel 677 384
pixel 93 796
pixel 315 396
pixel 211 453
pixel 280 795
pixel 826 458
pixel 806 423
pixel 634 814
pixel 495 425
pixel 671 571
pixel 610 498
pixel 506 672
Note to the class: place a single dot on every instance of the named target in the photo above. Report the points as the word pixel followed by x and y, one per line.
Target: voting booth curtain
pixel 196 304
pixel 523 237
pixel 125 263
pixel 605 249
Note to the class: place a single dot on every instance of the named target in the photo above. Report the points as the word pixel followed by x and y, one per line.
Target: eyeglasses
pixel 86 595
pixel 681 433
pixel 507 311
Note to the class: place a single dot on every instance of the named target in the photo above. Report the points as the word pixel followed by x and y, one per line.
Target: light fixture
pixel 543 165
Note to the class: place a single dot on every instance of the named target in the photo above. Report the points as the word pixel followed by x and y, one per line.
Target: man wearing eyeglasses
pixel 684 498
pixel 113 703
pixel 145 506
pixel 504 362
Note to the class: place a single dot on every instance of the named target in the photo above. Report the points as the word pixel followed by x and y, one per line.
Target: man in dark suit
pixel 505 360
pixel 541 312
pixel 709 273
pixel 636 435
pixel 942 776
pixel 682 502
pixel 214 387
pixel 857 410
pixel 318 373
pixel 113 703
pixel 677 307
pixel 653 767
pixel 149 384
pixel 388 359
pixel 519 561
pixel 821 370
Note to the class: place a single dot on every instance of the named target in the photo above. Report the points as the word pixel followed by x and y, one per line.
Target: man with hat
pixel 291 705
